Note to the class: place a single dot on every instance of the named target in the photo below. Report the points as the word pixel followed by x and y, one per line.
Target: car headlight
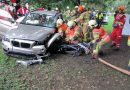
pixel 6 39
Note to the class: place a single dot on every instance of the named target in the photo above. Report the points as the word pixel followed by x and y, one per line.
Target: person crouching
pixel 73 33
pixel 61 27
pixel 100 38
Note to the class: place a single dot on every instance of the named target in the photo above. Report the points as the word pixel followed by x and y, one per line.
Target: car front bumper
pixel 32 51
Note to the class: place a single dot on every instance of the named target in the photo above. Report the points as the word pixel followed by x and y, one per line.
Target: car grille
pixel 15 43
pixel 21 44
pixel 25 45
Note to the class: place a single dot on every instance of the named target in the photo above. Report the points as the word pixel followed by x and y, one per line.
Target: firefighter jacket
pixel 100 34
pixel 74 34
pixel 100 39
pixel 84 17
pixel 119 21
pixel 62 29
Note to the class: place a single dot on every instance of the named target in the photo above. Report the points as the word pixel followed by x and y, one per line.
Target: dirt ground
pixel 64 72
pixel 119 58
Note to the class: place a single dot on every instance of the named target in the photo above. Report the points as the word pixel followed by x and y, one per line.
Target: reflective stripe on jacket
pixel 119 21
pixel 99 16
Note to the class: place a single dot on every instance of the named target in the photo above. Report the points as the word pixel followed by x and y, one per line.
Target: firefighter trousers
pixel 116 36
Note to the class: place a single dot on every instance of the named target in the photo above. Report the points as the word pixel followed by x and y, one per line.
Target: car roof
pixel 51 13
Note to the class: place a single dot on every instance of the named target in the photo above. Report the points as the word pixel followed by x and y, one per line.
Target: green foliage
pixel 109 27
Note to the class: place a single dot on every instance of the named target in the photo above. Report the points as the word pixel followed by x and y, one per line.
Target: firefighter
pixel 61 27
pixel 73 33
pixel 99 18
pixel 100 38
pixel 118 24
pixel 75 14
pixel 83 20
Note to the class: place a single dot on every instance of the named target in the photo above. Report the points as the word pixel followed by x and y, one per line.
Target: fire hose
pixel 114 67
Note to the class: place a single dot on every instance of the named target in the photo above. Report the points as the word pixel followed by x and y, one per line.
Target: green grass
pixel 109 27
pixel 17 77
pixel 9 79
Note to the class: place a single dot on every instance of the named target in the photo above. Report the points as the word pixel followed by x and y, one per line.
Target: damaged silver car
pixel 33 36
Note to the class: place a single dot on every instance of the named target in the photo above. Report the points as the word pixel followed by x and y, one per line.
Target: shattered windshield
pixel 39 20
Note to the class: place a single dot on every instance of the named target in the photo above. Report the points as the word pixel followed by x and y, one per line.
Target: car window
pixel 39 20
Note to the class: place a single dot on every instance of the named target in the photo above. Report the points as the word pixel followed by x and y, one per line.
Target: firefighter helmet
pixel 59 22
pixel 121 8
pixel 76 7
pixel 70 24
pixel 92 23
pixel 81 9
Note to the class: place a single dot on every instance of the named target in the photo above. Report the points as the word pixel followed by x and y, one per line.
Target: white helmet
pixel 92 23
pixel 59 21
pixel 67 7
pixel 70 24
pixel 76 7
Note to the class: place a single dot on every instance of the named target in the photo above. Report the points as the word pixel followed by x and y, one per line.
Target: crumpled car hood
pixel 29 32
